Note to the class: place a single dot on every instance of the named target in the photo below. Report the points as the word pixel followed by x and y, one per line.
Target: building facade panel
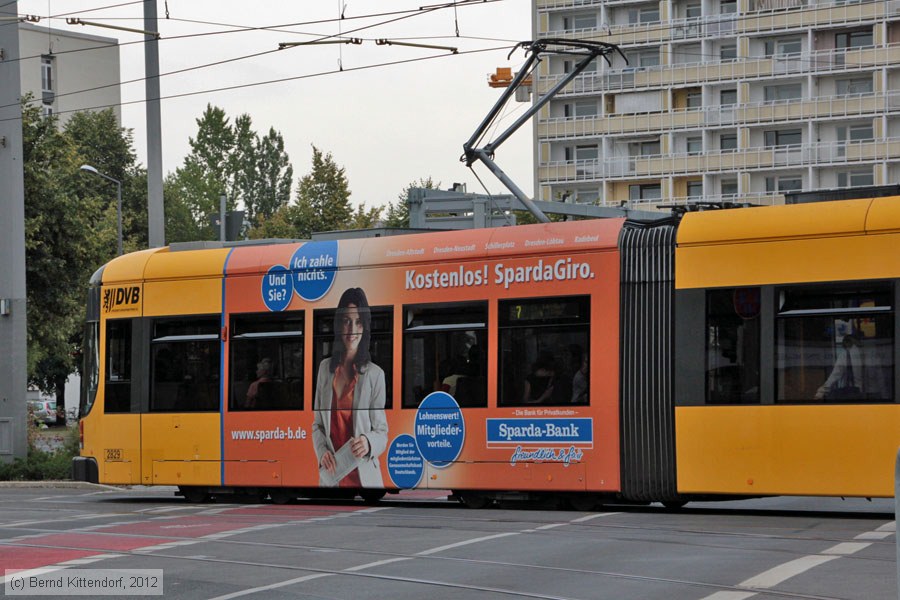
pixel 67 72
pixel 719 100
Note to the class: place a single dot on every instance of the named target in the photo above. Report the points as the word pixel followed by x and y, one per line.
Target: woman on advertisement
pixel 350 429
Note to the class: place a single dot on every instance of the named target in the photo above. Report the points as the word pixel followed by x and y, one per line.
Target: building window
pixel 266 370
pixel 582 21
pixel 853 39
pixel 647 58
pixel 729 187
pixel 695 189
pixel 783 137
pixel 733 346
pixel 47 84
pixel 728 141
pixel 727 7
pixel 444 348
pixel 694 145
pixel 855 178
pixel 647 14
pixel 645 191
pixel 47 74
pixel 787 91
pixel 784 183
pixel 569 65
pixel 786 47
pixel 694 98
pixel 693 11
pixel 857 85
pixel 581 153
pixel 856 133
pixel 581 108
pixel 835 344
pixel 543 349
pixel 728 52
pixel 727 97
pixel 648 148
pixel 184 362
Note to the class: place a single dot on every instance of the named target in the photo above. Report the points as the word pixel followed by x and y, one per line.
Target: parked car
pixel 43 411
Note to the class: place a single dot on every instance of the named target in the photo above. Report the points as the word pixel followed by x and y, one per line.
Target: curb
pixel 77 485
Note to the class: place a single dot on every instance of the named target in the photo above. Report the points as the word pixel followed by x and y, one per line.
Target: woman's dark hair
pixel 357 297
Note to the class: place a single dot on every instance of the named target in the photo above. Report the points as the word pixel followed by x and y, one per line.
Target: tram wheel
pixel 472 500
pixel 194 495
pixel 372 496
pixel 582 502
pixel 281 496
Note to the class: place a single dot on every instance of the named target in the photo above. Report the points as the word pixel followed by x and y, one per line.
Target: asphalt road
pixel 419 545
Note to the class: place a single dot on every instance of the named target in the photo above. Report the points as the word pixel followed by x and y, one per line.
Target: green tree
pixel 287 223
pixel 323 196
pixel 69 232
pixel 398 214
pixel 275 177
pixel 230 159
pixel 365 219
pixel 102 143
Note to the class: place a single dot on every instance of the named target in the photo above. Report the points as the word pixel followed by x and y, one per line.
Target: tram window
pixel 444 350
pixel 117 395
pixel 90 374
pixel 381 342
pixel 184 355
pixel 732 346
pixel 835 344
pixel 266 370
pixel 544 345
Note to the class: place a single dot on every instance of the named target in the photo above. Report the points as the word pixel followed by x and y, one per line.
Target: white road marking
pixel 273 586
pixel 398 559
pixel 783 572
pixel 730 596
pixel 467 542
pixel 846 548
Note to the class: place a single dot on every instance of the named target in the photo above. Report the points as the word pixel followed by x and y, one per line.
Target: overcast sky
pixel 387 125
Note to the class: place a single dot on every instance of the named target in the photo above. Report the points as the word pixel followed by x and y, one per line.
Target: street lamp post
pixel 118 183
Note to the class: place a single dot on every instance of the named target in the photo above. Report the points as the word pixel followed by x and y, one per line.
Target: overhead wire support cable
pixel 22 19
pixel 76 21
pixel 283 45
pixel 589 50
pixel 385 42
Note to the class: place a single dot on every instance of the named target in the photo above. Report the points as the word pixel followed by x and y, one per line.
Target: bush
pixel 39 465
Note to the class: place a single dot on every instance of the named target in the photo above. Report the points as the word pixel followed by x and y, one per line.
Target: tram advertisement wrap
pixel 425 436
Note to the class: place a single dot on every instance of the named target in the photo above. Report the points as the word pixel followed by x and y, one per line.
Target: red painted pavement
pixel 17 557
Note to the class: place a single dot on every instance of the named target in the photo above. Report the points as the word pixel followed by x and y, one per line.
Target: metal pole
pixel 156 221
pixel 13 326
pixel 119 212
pixel 222 199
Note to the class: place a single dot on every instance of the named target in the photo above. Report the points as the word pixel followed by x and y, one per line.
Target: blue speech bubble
pixel 313 266
pixel 404 462
pixel 440 429
pixel 277 288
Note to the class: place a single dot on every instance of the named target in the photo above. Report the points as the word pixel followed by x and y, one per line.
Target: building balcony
pixel 552 5
pixel 755 199
pixel 665 76
pixel 730 25
pixel 781 111
pixel 745 159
